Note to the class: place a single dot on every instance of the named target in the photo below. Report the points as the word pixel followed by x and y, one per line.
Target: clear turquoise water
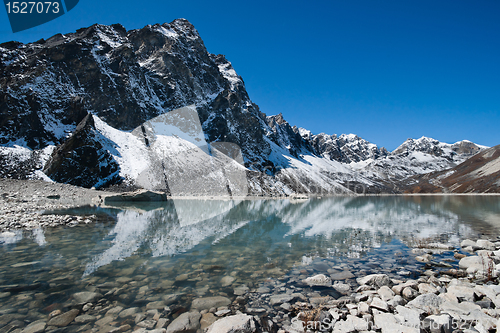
pixel 251 241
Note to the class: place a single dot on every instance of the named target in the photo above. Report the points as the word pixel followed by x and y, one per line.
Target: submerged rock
pixel 188 322
pixel 85 297
pixel 241 323
pixel 207 303
pixel 377 280
pixel 64 319
pixel 36 327
pixel 320 280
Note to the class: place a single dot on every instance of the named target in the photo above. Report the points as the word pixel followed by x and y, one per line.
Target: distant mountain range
pixel 153 108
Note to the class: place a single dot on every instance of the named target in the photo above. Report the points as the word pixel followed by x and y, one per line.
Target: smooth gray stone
pixel 344 275
pixel 206 303
pixel 86 297
pixel 241 323
pixel 188 322
pixel 64 319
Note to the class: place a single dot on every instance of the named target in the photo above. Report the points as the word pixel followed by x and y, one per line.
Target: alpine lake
pixel 160 257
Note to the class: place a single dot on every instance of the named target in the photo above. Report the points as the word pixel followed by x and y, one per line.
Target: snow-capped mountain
pixel 125 78
pixel 480 173
pixel 345 148
pixel 458 151
pixel 101 106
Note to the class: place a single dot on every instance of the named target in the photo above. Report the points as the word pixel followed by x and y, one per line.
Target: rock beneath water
pixel 206 320
pixel 170 299
pixel 188 322
pixel 377 280
pixel 227 281
pixel 123 279
pixel 139 195
pixel 114 311
pixel 439 246
pixel 130 312
pixel 241 323
pixel 162 322
pixel 159 305
pixel 424 258
pixel 7 234
pixel 241 290
pixel 182 277
pixel 222 313
pixel 85 297
pixel 83 319
pixel 148 323
pixel 317 301
pixel 206 303
pixel 344 275
pixel 64 319
pixel 104 321
pixel 36 327
pixel 263 290
pixel 278 299
pixel 342 288
pixel 320 280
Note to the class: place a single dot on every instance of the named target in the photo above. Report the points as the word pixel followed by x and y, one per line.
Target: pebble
pixel 64 319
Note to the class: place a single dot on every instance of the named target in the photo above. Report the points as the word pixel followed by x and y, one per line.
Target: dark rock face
pixel 287 136
pixel 345 148
pixel 125 78
pixel 82 160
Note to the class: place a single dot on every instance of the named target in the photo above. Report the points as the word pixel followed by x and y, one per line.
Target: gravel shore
pixel 22 201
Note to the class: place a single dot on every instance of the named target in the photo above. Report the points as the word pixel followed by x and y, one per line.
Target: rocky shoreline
pixel 439 299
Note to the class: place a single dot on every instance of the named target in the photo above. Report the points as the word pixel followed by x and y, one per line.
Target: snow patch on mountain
pixel 229 74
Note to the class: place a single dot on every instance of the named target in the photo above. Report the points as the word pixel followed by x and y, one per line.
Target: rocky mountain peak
pixel 436 148
pixel 345 148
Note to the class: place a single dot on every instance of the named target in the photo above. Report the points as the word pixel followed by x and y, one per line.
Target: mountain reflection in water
pixel 329 227
pixel 358 223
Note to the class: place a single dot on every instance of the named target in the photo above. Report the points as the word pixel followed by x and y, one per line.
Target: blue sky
pixel 385 70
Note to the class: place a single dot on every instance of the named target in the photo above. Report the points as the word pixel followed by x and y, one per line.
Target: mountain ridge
pixel 127 78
